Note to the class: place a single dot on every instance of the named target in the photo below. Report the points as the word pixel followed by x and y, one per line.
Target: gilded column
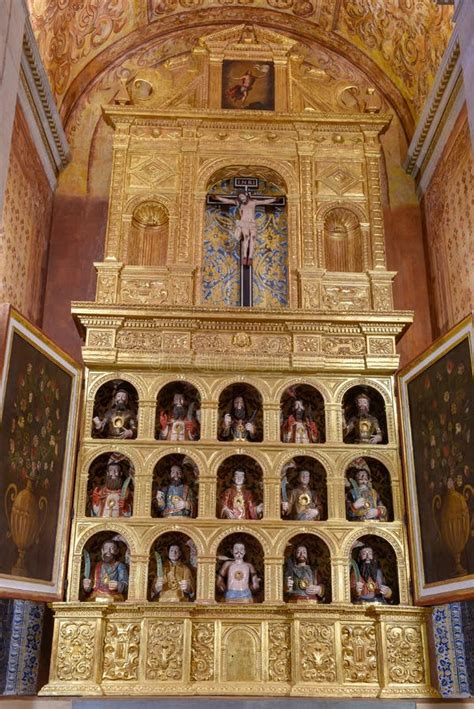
pixel 117 192
pixel 305 152
pixel 189 147
pixel 372 160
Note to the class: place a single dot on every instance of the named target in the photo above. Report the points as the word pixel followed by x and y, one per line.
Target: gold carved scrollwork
pixel 75 651
pixel 106 289
pixel 202 653
pixel 138 290
pixel 279 653
pixel 405 655
pixel 164 657
pixel 143 341
pixel 101 340
pixel 121 651
pixel 343 345
pixel 318 662
pixel 382 298
pixel 381 346
pixel 310 296
pixel 359 658
pixel 346 298
pixel 308 344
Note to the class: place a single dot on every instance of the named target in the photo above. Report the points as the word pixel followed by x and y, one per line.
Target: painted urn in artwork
pixel 454 524
pixel 26 518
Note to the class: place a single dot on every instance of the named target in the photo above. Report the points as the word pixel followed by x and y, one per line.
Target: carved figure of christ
pixel 246 226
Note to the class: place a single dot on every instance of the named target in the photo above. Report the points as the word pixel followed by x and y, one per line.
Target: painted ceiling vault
pixel 398 44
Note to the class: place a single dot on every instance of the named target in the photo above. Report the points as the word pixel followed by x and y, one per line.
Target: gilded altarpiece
pixel 335 331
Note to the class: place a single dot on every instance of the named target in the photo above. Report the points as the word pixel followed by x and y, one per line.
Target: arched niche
pixel 364 416
pixel 383 572
pixel 149 234
pixel 343 241
pixel 367 479
pixel 223 232
pixel 110 486
pixel 175 487
pixel 304 490
pixel 252 413
pixel 115 413
pixel 253 555
pixel 302 419
pixel 178 413
pixel 173 559
pixel 239 489
pixel 317 569
pixel 100 571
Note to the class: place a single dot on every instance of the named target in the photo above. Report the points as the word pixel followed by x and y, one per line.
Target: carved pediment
pixel 247 42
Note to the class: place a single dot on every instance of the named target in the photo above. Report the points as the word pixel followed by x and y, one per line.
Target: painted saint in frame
pixel 248 85
pixel 437 411
pixel 39 394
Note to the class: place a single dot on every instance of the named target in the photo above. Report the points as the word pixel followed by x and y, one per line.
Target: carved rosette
pixel 279 652
pixel 405 655
pixel 121 651
pixel 164 656
pixel 317 654
pixel 75 660
pixel 202 653
pixel 359 658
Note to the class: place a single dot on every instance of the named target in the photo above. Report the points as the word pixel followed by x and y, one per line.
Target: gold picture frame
pixel 39 400
pixel 437 415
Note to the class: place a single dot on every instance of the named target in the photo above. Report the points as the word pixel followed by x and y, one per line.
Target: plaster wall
pixel 26 219
pixel 448 207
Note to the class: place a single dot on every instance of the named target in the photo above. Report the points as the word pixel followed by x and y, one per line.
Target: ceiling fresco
pixel 399 42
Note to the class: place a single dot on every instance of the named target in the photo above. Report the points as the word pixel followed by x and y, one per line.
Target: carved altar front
pixel 152 324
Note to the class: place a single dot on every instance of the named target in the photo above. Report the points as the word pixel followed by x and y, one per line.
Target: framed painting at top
pixel 436 401
pixel 39 398
pixel 248 85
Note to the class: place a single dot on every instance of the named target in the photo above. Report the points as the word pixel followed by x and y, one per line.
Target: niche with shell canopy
pixel 343 247
pixel 148 239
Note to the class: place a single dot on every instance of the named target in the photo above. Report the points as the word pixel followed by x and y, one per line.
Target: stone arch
pixel 133 454
pixel 357 209
pixel 259 457
pixel 262 536
pixel 210 171
pixel 152 534
pixel 136 200
pixel 325 459
pixel 320 387
pixel 113 527
pixel 259 384
pixel 344 387
pixel 160 452
pixel 136 381
pixel 196 382
pixel 283 538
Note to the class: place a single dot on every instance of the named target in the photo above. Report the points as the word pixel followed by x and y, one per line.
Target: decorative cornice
pixel 36 96
pixel 441 109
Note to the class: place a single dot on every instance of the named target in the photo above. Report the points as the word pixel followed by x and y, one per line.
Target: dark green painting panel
pixel 441 419
pixel 32 444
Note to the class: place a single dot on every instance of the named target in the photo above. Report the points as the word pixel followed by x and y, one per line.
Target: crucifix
pixel 245 230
